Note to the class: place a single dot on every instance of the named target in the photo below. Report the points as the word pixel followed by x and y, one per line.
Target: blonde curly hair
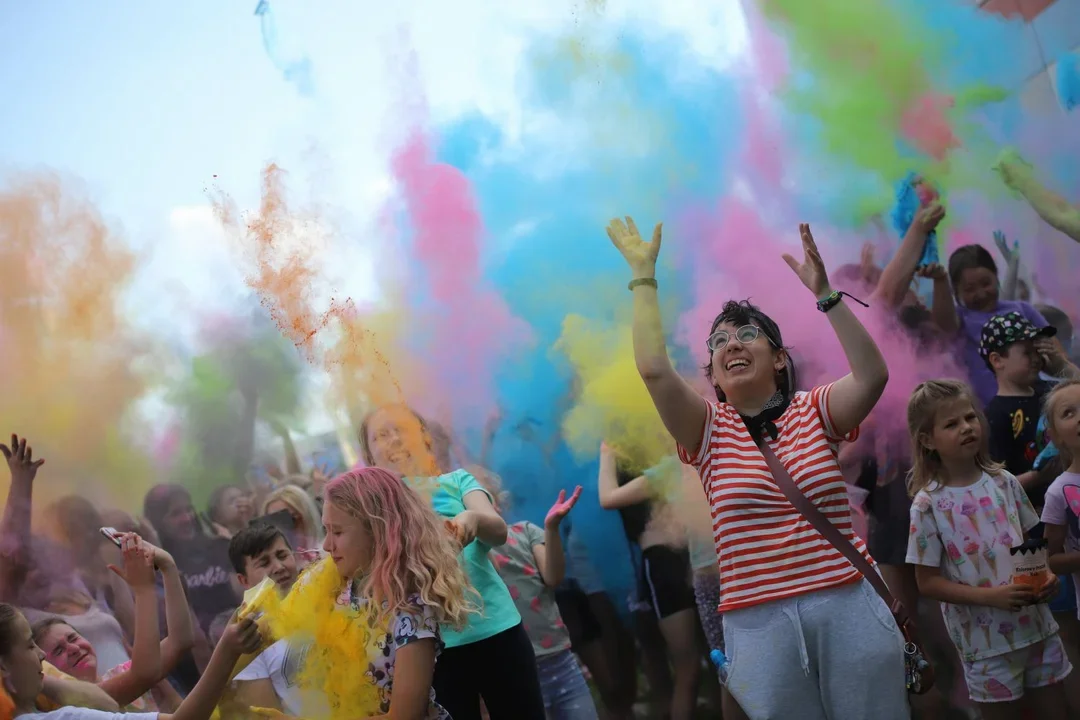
pixel 412 550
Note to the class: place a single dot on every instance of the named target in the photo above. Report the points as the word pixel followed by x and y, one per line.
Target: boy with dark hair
pixel 270 681
pixel 1017 352
pixel 262 551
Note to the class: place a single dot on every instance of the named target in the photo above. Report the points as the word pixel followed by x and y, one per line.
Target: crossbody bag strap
pixel 824 526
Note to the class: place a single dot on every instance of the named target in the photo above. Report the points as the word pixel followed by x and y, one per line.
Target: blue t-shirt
pixel 498 612
pixel 981 377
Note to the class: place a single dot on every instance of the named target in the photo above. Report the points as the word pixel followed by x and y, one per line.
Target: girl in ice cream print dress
pixel 966 513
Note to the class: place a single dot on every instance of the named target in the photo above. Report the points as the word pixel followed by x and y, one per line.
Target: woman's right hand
pixel 640 255
pixel 1010 597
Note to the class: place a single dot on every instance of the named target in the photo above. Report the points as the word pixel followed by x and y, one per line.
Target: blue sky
pixel 147 102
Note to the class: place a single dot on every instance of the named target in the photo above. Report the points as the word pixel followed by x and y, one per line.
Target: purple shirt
pixel 971 324
pixel 1062 507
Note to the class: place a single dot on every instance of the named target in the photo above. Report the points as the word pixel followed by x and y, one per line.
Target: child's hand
pixel 935 272
pixel 241 638
pixel 1050 590
pixel 138 571
pixel 464 527
pixel 1010 597
pixel 561 508
pixel 1051 353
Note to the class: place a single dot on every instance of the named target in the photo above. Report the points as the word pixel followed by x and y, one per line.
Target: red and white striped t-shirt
pixel 765 548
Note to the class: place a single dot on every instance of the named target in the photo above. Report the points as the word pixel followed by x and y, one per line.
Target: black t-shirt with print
pixel 207 572
pixel 1014 422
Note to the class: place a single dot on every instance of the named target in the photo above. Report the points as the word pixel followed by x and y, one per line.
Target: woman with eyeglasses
pixel 806 635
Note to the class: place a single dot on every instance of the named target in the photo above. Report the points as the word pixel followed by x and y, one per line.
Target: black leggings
pixel 501 669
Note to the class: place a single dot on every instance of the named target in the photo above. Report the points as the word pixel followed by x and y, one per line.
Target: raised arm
pixel 895 280
pixel 181 632
pixel 549 556
pixel 612 496
pixel 854 395
pixel 15 526
pixel 69 691
pixel 1055 210
pixel 681 409
pixel 145 670
pixel 241 638
pixel 1011 284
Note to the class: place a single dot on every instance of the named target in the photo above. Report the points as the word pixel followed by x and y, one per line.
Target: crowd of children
pixel 463 614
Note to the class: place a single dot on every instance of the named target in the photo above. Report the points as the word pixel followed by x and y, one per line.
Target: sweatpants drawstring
pixel 793 614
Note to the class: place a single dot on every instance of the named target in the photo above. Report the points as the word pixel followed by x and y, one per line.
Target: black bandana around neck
pixel 765 421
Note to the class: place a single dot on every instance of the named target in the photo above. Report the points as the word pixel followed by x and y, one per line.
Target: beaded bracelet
pixel 828 303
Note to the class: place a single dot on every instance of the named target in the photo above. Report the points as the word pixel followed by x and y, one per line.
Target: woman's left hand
pixel 811 270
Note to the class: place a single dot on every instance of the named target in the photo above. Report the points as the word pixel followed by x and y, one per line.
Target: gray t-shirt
pixel 535 600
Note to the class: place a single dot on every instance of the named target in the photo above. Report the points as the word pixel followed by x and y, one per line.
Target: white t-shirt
pixel 281 664
pixel 80 713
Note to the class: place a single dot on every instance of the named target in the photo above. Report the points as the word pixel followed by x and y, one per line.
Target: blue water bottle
pixel 721 662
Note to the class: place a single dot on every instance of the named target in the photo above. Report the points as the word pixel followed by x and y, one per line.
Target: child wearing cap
pixel 1017 352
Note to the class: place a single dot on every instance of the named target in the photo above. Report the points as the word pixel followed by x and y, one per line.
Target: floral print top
pixel 416 622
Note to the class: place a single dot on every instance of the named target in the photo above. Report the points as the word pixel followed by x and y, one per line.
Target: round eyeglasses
pixel 745 335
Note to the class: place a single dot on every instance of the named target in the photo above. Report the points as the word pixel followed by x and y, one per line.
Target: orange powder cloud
pixel 358 349
pixel 69 358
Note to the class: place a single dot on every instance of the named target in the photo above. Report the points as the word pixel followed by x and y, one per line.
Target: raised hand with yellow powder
pixel 1019 176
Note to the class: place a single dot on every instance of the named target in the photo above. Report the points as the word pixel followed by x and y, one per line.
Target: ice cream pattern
pixel 997 690
pixel 945 506
pixel 971 549
pixel 965 627
pixel 1005 538
pixel 991 557
pixel 970 509
pixel 921 545
pixel 954 553
pixel 1006 630
pixel 984 622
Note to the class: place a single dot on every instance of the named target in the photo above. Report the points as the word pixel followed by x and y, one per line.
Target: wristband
pixel 638 282
pixel 828 303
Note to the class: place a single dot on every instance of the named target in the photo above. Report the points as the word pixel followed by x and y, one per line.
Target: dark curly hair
pixel 744 312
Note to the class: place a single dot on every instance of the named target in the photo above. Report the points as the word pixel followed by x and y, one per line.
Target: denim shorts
pixel 566 694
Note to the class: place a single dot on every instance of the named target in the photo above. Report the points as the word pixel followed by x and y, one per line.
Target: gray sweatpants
pixel 829 655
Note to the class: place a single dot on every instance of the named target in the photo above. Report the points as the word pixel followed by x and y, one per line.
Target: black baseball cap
pixel 1001 331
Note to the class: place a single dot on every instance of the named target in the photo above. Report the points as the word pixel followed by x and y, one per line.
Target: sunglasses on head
pixel 745 335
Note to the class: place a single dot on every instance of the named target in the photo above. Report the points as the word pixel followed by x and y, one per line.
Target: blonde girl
pixel 1061 509
pixel 397 558
pixel 966 514
pixel 305 515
